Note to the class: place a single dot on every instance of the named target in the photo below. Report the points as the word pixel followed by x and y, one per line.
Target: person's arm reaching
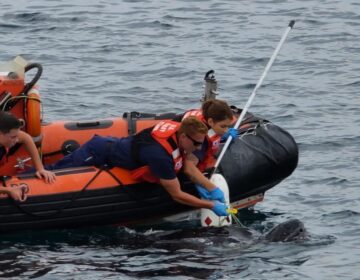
pixel 31 149
pixel 173 188
pixel 195 175
pixel 205 187
pixel 162 166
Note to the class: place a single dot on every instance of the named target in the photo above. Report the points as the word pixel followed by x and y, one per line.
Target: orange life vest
pixel 212 139
pixel 3 155
pixel 165 134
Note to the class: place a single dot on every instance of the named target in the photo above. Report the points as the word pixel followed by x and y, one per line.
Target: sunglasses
pixel 195 143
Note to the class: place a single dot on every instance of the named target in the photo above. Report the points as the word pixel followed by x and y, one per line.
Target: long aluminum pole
pixel 267 68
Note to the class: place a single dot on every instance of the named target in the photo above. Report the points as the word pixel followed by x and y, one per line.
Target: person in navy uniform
pixel 154 155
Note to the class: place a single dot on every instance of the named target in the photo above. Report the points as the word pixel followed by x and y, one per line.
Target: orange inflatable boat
pixel 262 156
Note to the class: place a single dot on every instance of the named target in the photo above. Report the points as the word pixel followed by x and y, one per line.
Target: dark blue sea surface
pixel 102 58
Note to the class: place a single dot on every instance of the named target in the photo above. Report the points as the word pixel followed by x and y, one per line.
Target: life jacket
pixel 163 133
pixel 3 155
pixel 212 138
pixel 6 152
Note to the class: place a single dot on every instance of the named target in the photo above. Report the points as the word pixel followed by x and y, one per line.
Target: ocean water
pixel 102 58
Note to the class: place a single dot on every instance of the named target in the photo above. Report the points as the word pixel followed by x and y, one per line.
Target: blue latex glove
pixel 231 131
pixel 217 194
pixel 220 209
pixel 204 193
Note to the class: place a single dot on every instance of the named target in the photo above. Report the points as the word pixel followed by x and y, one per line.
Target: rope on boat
pixel 236 219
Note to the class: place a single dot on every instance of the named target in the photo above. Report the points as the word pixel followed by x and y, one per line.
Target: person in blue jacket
pixel 156 155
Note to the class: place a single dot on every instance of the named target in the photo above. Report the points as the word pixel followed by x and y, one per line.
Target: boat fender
pixel 33 109
pixel 207 216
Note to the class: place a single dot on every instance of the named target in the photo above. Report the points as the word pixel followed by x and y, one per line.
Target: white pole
pixel 267 68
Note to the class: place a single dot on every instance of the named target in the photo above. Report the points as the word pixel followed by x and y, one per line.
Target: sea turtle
pixel 291 230
pixel 234 236
pixel 288 231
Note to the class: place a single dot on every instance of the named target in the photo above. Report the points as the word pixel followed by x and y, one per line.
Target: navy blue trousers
pixel 94 152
